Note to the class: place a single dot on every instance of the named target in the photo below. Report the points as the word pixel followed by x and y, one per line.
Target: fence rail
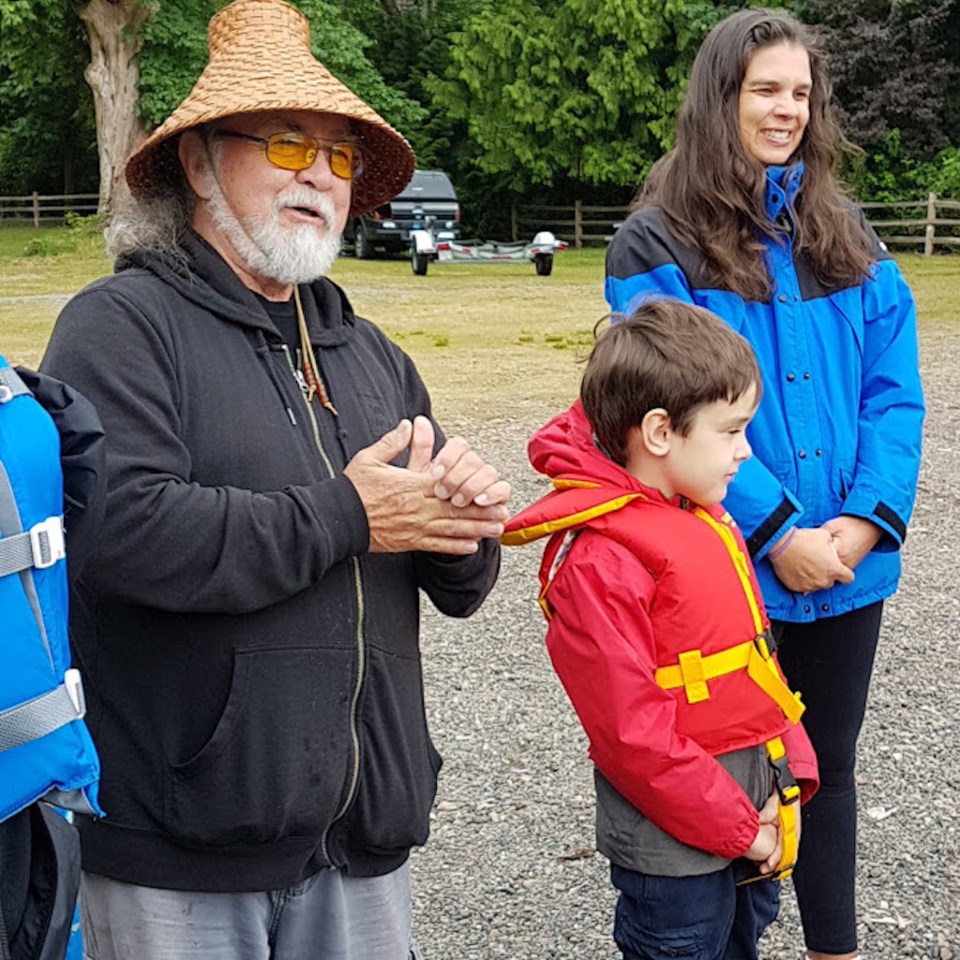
pixel 930 222
pixel 43 208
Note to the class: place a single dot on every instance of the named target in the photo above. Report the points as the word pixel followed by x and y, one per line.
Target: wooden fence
pixel 928 223
pixel 47 209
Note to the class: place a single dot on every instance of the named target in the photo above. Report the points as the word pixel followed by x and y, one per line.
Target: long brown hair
pixel 711 189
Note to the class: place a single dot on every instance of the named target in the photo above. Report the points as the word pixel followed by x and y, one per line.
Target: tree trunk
pixel 113 29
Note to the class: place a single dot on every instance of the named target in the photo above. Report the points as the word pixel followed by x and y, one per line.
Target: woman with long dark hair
pixel 745 217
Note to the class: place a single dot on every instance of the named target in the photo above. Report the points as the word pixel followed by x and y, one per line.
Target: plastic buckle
pixel 47 542
pixel 74 687
pixel 787 789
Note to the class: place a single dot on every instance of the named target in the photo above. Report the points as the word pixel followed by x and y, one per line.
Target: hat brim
pixel 245 77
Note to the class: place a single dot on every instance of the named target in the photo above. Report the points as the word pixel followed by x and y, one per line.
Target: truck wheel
pixel 362 247
pixel 544 264
pixel 419 262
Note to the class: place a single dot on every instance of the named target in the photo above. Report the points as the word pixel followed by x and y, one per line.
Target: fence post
pixel 577 224
pixel 36 209
pixel 931 230
pixel 513 220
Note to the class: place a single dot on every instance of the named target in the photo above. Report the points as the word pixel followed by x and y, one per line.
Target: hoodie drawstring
pixel 311 372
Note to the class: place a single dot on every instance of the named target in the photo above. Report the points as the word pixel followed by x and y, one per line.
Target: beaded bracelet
pixel 776 551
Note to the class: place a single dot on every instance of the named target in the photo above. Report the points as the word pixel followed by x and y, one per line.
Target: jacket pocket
pixel 276 763
pixel 398 762
pixel 849 304
pixel 842 477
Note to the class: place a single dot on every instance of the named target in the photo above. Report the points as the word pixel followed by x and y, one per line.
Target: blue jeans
pixel 697 918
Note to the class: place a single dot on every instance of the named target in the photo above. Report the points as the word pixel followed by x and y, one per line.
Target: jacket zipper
pixel 358 586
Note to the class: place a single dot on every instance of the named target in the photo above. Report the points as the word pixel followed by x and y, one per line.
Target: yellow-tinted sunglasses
pixel 296 151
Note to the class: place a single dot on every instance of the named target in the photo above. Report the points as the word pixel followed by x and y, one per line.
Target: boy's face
pixel 701 465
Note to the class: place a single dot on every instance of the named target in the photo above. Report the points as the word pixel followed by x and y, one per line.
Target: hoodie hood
pixel 202 276
pixel 566 450
pixel 587 483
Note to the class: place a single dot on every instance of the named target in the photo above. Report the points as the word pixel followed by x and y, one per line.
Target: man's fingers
pixel 498 492
pixel 421 445
pixel 390 445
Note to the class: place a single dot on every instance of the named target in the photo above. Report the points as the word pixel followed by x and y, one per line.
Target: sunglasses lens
pixel 291 151
pixel 345 160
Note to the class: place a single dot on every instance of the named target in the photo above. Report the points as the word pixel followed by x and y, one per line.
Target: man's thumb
pixel 391 444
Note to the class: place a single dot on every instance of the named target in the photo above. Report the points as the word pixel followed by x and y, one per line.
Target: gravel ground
pixel 510 869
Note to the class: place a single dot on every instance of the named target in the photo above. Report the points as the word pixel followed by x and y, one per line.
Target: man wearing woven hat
pixel 278 496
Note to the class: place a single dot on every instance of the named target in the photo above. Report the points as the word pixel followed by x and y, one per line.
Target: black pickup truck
pixel 429 194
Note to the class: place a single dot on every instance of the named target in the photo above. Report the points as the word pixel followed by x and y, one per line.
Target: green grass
pixel 489 339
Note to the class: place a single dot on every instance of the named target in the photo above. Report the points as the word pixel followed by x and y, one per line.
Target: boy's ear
pixel 656 430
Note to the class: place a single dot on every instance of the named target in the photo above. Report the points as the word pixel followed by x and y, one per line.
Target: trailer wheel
pixel 419 263
pixel 544 264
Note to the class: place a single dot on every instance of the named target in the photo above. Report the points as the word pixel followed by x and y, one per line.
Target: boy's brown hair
pixel 665 354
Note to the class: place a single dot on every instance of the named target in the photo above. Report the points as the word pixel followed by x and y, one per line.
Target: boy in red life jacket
pixel 659 635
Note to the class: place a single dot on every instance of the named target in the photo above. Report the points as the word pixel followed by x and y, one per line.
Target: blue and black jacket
pixel 838 430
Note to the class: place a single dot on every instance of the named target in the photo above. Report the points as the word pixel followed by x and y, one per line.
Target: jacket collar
pixel 782 186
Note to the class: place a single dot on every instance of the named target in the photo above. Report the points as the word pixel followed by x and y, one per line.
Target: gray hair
pixel 159 219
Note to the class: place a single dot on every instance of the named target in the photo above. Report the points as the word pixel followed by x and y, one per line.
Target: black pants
pixel 830 662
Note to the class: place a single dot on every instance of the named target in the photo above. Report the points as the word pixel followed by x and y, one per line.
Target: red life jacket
pixel 709 623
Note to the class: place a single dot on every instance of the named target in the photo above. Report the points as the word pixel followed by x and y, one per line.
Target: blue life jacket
pixel 45 749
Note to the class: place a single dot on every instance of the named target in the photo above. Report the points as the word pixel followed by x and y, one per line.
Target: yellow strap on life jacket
pixel 739 563
pixel 694 670
pixel 788 812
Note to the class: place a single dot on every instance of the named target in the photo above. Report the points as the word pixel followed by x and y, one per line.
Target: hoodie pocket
pixel 399 763
pixel 276 764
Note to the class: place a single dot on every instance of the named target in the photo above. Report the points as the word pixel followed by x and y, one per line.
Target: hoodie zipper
pixel 361 642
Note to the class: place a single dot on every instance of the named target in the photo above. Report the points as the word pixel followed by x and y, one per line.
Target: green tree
pixel 890 68
pixel 175 51
pixel 579 89
pixel 139 58
pixel 47 131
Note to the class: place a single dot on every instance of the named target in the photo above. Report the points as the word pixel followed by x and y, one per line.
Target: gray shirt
pixel 627 838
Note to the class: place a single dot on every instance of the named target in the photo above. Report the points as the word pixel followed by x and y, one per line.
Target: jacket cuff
pixel 775 526
pixel 868 506
pixel 344 521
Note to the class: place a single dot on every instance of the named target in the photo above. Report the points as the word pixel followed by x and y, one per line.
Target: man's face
pixel 274 224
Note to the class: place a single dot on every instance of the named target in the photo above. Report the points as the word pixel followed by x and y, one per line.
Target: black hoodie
pixel 253 673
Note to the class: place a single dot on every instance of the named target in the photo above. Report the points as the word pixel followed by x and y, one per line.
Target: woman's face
pixel 775 103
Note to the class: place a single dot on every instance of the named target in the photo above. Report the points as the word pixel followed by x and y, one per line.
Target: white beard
pixel 287 254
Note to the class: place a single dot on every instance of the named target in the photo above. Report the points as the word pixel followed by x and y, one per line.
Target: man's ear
pixel 195 160
pixel 656 430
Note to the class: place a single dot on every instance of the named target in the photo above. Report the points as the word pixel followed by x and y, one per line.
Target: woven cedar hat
pixel 260 60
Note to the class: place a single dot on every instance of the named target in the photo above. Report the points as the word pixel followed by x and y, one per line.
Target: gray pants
pixel 329 917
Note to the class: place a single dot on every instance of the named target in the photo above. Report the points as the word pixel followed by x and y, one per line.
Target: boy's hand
pixel 770 816
pixel 765 847
pixel 771 810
